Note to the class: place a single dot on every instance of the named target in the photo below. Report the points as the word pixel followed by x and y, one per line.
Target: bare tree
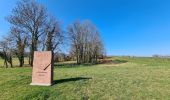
pixel 53 36
pixel 93 43
pixel 6 51
pixel 19 38
pixel 86 42
pixel 29 16
pixel 74 32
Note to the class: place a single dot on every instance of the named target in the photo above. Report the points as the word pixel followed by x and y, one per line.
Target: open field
pixel 122 79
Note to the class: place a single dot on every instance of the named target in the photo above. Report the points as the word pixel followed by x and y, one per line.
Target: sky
pixel 127 27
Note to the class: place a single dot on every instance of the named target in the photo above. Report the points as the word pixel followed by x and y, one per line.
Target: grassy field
pixel 122 79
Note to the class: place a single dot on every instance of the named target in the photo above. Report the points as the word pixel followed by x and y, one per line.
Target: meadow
pixel 119 78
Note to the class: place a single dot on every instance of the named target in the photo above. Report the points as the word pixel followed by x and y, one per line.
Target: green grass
pixel 127 79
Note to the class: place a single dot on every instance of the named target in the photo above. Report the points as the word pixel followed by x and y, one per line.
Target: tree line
pixel 32 28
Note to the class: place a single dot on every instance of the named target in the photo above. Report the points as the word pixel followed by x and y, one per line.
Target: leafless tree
pixel 74 32
pixel 29 16
pixel 19 39
pixel 86 44
pixel 6 51
pixel 53 36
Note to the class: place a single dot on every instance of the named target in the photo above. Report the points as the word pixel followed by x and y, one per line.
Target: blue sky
pixel 128 27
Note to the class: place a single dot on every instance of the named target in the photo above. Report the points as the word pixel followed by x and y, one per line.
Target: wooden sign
pixel 42 73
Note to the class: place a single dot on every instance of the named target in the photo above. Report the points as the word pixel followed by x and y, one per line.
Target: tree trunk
pixel 11 61
pixel 32 53
pixel 33 47
pixel 5 63
pixel 5 60
pixel 21 61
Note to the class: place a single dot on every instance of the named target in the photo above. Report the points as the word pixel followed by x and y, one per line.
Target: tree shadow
pixel 64 64
pixel 119 61
pixel 116 61
pixel 71 65
pixel 104 61
pixel 70 80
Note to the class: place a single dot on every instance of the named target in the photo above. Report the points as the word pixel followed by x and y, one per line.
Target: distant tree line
pixel 160 56
pixel 33 29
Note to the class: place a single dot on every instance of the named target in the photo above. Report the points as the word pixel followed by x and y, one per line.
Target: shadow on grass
pixel 71 65
pixel 116 61
pixel 70 80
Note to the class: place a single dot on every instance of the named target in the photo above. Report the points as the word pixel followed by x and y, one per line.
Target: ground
pixel 120 78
